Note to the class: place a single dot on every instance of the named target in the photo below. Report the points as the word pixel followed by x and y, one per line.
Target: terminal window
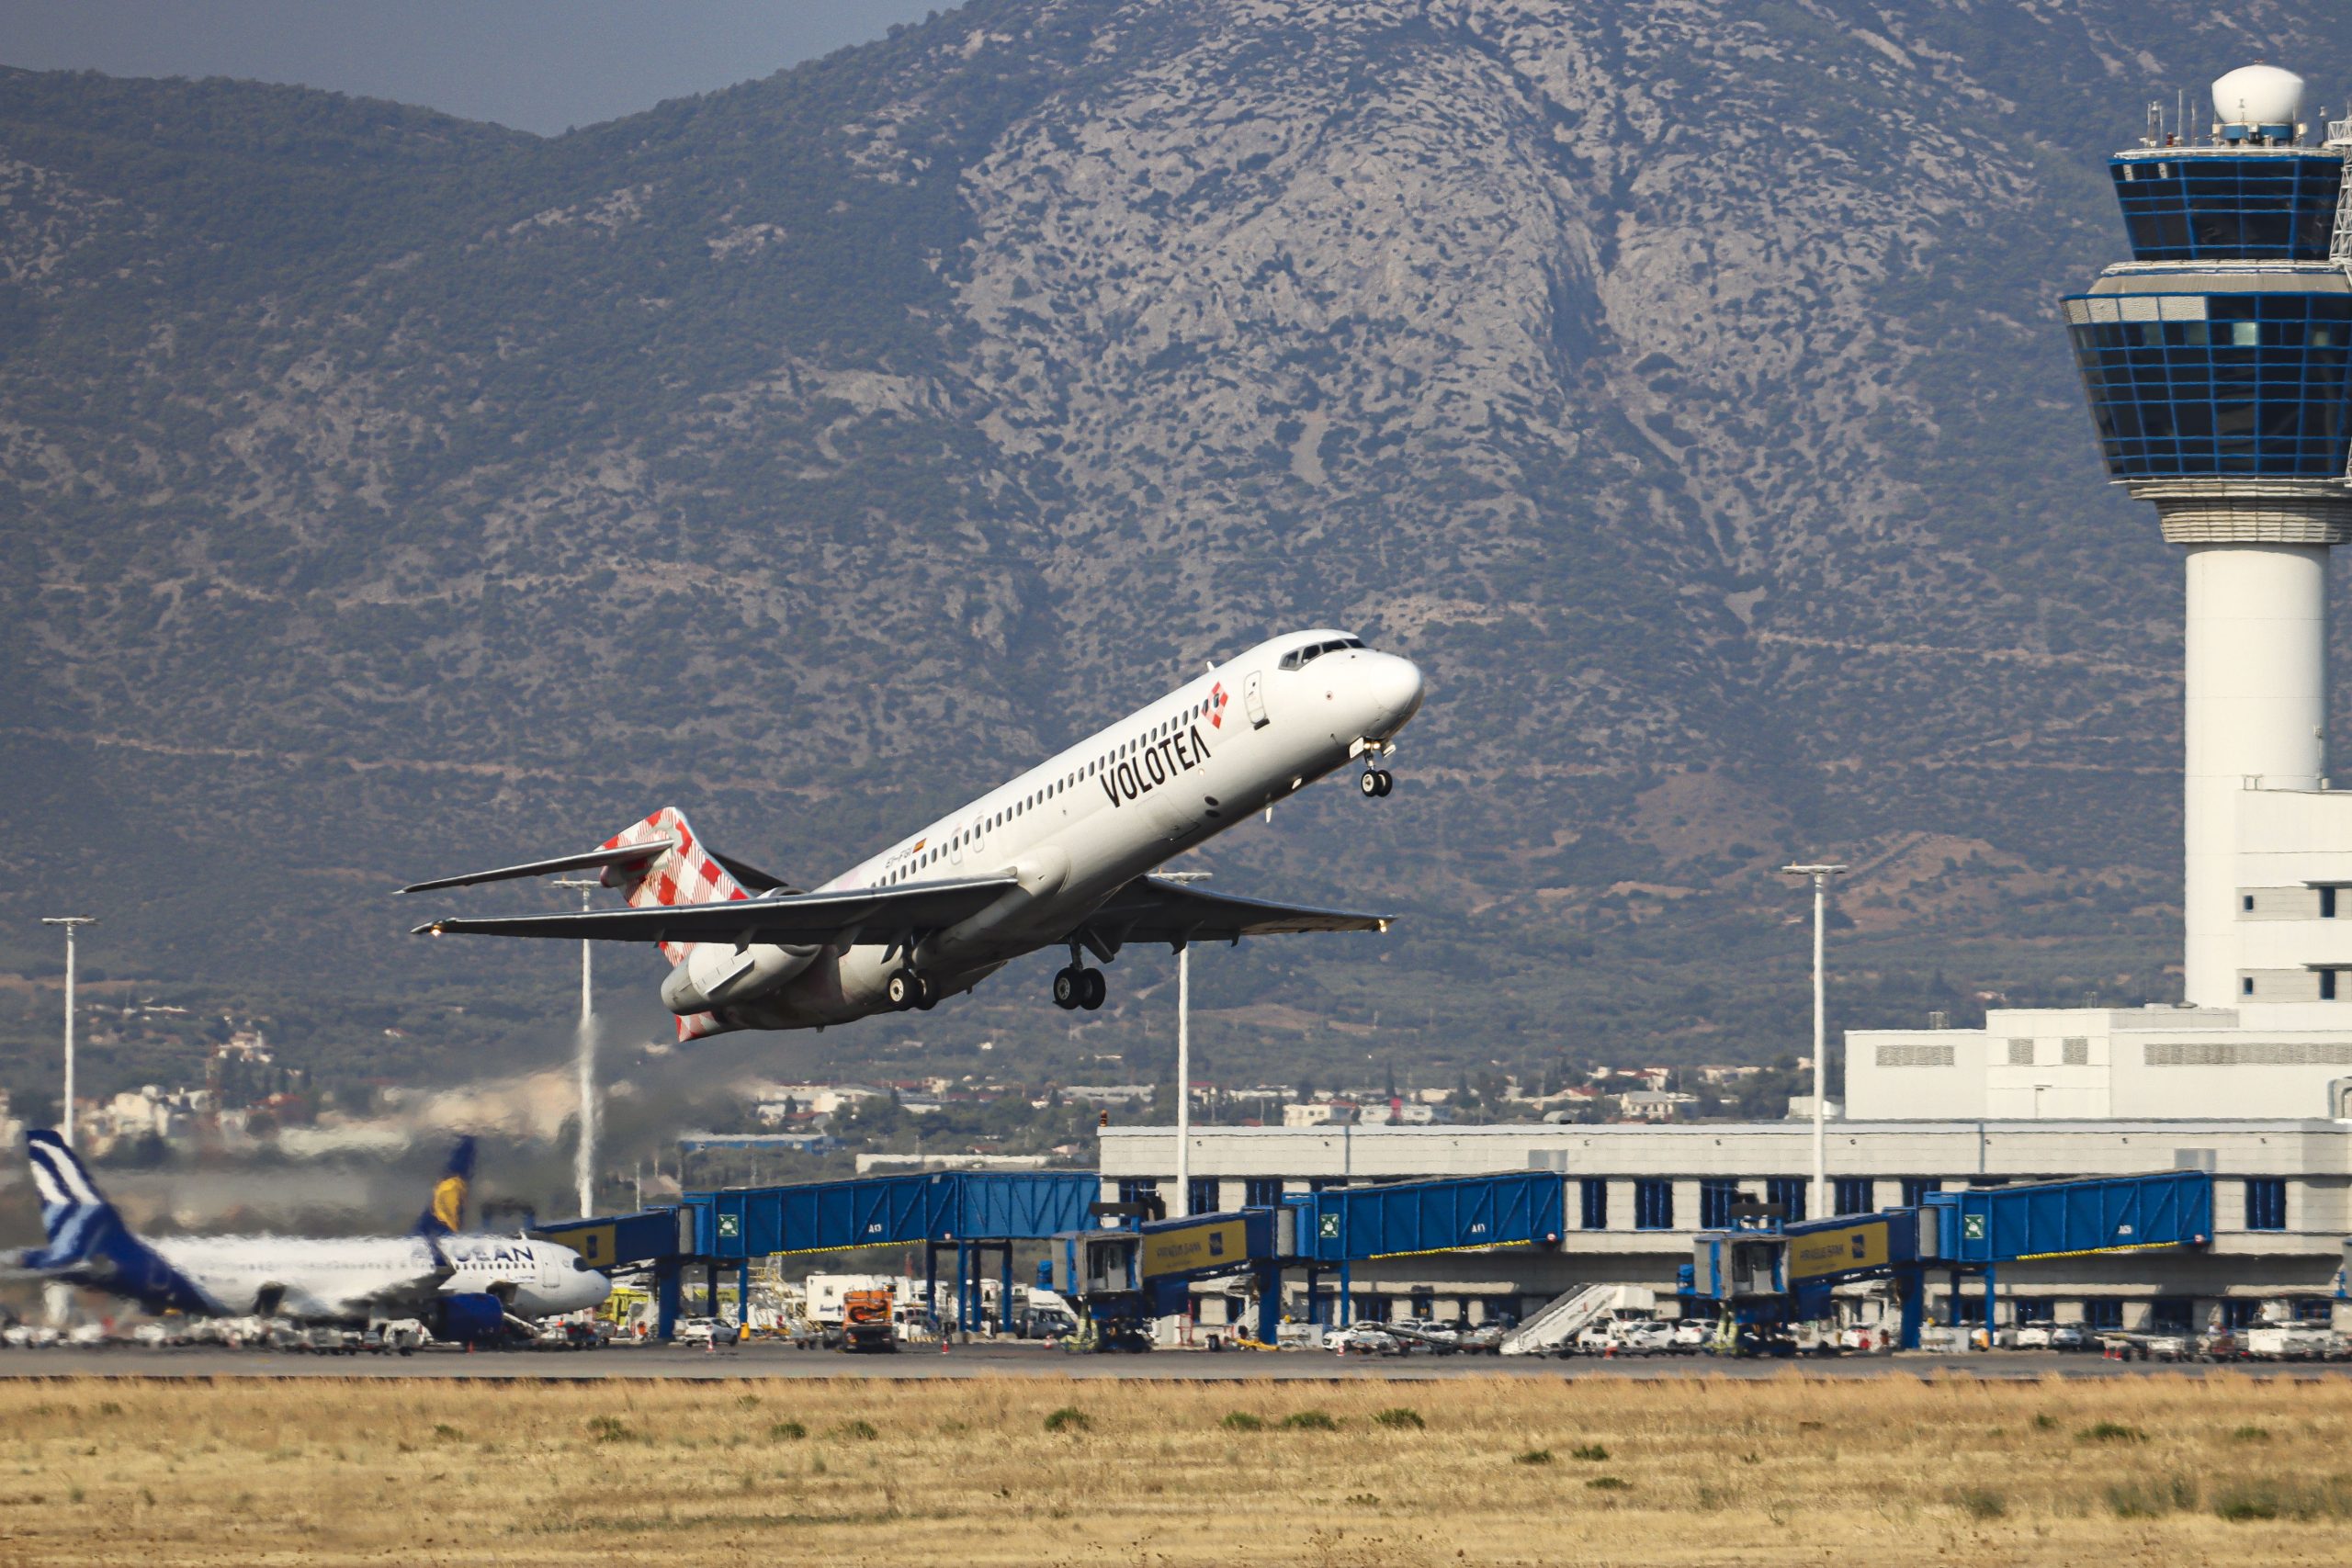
pixel 2103 1314
pixel 1652 1205
pixel 2266 1203
pixel 1716 1199
pixel 2028 1309
pixel 1261 1191
pixel 1202 1198
pixel 1917 1188
pixel 1856 1195
pixel 1789 1193
pixel 1596 1203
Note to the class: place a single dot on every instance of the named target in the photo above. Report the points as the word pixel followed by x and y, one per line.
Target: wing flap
pixel 795 917
pixel 1153 910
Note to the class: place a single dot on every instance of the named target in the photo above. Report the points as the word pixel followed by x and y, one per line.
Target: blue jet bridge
pixel 1772 1274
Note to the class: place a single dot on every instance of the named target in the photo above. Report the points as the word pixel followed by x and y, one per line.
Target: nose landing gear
pixel 1375 783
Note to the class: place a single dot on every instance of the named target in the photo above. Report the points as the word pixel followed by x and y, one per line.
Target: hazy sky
pixel 535 64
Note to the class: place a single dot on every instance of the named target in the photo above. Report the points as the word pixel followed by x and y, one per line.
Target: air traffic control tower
pixel 2215 361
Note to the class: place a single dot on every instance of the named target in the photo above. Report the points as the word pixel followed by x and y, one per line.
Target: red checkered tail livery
pixel 681 872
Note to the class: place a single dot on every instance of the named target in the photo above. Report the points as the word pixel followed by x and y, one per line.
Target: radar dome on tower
pixel 2259 100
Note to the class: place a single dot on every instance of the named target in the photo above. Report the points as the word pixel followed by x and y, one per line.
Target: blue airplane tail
pixel 88 1242
pixel 444 1213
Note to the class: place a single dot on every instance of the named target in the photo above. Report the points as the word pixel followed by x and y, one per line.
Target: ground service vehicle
pixel 865 1321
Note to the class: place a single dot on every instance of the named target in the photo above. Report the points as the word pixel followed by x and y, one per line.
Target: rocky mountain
pixel 381 494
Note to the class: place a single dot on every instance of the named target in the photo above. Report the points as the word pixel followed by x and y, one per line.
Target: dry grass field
pixel 2156 1470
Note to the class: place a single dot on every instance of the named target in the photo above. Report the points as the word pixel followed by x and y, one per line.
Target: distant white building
pixel 1321 1113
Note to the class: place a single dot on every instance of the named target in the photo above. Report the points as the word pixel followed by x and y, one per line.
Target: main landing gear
pixel 906 990
pixel 1376 783
pixel 1076 987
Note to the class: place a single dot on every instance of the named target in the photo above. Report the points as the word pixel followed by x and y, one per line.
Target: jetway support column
pixel 930 1284
pixel 1347 1296
pixel 964 1287
pixel 1269 1304
pixel 667 1287
pixel 1004 1294
pixel 1912 1290
pixel 743 1298
pixel 1991 1291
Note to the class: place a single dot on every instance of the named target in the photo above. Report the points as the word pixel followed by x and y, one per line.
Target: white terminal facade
pixel 2217 362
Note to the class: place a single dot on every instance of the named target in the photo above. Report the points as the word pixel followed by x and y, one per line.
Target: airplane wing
pixel 1153 910
pixel 845 915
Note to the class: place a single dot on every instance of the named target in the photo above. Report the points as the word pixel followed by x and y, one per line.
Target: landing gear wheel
pixel 1069 988
pixel 930 998
pixel 905 989
pixel 1376 783
pixel 1096 990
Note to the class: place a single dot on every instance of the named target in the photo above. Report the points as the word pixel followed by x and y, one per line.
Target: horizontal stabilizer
pixel 622 855
pixel 853 914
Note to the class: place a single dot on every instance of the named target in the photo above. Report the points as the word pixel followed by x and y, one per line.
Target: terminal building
pixel 2215 361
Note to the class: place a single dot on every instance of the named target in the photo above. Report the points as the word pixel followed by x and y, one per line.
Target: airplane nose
pixel 1398 687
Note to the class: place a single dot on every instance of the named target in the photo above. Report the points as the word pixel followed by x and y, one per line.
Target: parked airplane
pixel 1060 855
pixel 462 1287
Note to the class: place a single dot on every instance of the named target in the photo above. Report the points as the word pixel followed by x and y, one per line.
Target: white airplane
pixel 1059 856
pixel 462 1287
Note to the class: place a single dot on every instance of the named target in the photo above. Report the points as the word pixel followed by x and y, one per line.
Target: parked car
pixel 702 1331
pixel 1362 1339
pixel 2032 1336
pixel 2169 1346
pixel 2069 1337
pixel 1643 1336
pixel 1691 1334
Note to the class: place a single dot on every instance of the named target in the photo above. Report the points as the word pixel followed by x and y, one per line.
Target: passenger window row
pixel 1037 797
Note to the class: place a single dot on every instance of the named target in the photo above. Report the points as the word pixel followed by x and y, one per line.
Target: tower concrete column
pixel 2254 717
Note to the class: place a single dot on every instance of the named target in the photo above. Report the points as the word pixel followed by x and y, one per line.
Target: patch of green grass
pixel 1242 1421
pixel 1981 1502
pixel 1533 1456
pixel 2151 1497
pixel 1609 1484
pixel 609 1429
pixel 2045 1422
pixel 2110 1432
pixel 1402 1419
pixel 2251 1434
pixel 1365 1500
pixel 1068 1418
pixel 446 1433
pixel 788 1431
pixel 1309 1421
pixel 856 1431
pixel 1592 1452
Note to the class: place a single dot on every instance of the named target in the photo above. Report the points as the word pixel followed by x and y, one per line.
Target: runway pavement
pixel 1032 1359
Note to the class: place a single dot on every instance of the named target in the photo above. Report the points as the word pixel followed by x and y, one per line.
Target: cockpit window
pixel 1300 657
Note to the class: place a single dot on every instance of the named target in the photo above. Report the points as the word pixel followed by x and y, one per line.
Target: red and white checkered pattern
pixel 683 874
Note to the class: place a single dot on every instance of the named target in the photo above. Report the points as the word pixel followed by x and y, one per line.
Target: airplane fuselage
pixel 359 1278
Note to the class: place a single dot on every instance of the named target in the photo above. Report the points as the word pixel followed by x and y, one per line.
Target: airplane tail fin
pixel 686 872
pixel 444 1213
pixel 88 1240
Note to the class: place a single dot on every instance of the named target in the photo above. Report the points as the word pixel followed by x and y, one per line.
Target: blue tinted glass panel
pixel 1789 1193
pixel 1596 1203
pixel 1654 1205
pixel 2277 207
pixel 2258 386
pixel 1856 1194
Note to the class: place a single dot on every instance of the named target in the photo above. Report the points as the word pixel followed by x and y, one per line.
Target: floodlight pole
pixel 584 1167
pixel 1182 1207
pixel 65 1122
pixel 1819 1205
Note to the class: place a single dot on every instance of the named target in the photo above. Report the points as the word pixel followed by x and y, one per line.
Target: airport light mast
pixel 583 1165
pixel 1819 1204
pixel 71 923
pixel 2215 363
pixel 1183 1205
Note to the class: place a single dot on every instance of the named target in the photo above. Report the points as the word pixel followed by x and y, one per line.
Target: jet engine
pixel 717 973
